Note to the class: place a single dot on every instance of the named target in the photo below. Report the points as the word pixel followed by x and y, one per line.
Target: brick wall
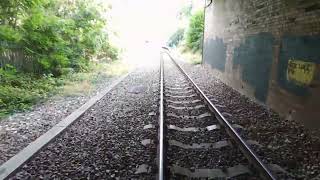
pixel 268 50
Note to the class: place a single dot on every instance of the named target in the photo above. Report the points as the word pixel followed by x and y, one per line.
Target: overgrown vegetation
pixel 57 34
pixel 189 42
pixel 191 57
pixel 85 82
pixel 176 38
pixel 195 32
pixel 192 38
pixel 18 91
pixel 56 38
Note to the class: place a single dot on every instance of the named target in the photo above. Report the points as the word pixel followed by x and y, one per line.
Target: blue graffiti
pixel 215 53
pixel 254 56
pixel 303 48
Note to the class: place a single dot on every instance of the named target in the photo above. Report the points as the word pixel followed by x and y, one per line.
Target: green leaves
pixel 9 37
pixel 7 33
pixel 191 38
pixel 195 31
pixel 57 34
pixel 176 38
pixel 18 91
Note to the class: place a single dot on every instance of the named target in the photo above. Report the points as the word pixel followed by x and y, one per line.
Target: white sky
pixel 138 21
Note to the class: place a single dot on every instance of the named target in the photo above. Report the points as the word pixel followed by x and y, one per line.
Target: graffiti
pixel 254 57
pixel 301 72
pixel 298 52
pixel 215 53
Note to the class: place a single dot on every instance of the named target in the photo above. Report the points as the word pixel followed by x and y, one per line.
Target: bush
pixel 176 38
pixel 19 91
pixel 59 38
pixel 195 31
pixel 57 34
pixel 13 99
pixel 9 37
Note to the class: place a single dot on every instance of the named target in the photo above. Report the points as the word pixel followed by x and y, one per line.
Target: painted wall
pixel 269 51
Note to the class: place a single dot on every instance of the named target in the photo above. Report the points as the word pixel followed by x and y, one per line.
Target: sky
pixel 141 23
pixel 141 20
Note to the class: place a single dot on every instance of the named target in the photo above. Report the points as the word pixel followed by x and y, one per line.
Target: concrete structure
pixel 269 51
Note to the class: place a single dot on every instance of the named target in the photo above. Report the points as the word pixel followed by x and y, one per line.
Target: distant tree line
pixel 191 36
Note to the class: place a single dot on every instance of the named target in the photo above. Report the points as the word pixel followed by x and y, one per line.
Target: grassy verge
pixel 19 91
pixel 190 56
pixel 85 82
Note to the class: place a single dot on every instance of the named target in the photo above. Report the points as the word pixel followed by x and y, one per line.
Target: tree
pixel 176 38
pixel 186 10
pixel 195 31
pixel 57 34
pixel 10 10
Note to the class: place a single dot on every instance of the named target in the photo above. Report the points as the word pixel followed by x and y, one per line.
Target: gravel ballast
pixel 105 143
pixel 117 137
pixel 20 129
pixel 200 154
pixel 283 142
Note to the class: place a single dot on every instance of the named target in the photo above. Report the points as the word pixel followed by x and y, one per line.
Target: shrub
pixel 19 91
pixel 56 34
pixel 58 37
pixel 176 38
pixel 195 31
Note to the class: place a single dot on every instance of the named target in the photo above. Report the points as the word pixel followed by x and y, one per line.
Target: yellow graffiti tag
pixel 301 72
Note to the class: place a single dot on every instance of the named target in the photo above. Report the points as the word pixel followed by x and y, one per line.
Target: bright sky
pixel 138 21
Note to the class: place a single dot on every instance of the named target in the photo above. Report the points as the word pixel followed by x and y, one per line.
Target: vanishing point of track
pixel 181 100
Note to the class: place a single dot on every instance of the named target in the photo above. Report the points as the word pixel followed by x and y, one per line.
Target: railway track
pixel 195 140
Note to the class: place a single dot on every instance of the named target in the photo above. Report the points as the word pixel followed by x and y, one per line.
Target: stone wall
pixel 268 50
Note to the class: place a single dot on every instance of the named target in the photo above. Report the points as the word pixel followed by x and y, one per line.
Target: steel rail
pixel 11 166
pixel 161 160
pixel 264 172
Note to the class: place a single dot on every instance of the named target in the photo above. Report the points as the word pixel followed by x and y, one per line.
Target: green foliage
pixel 195 32
pixel 59 37
pixel 19 91
pixel 10 10
pixel 57 34
pixel 176 38
pixel 185 12
pixel 7 33
pixel 9 37
pixel 43 39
